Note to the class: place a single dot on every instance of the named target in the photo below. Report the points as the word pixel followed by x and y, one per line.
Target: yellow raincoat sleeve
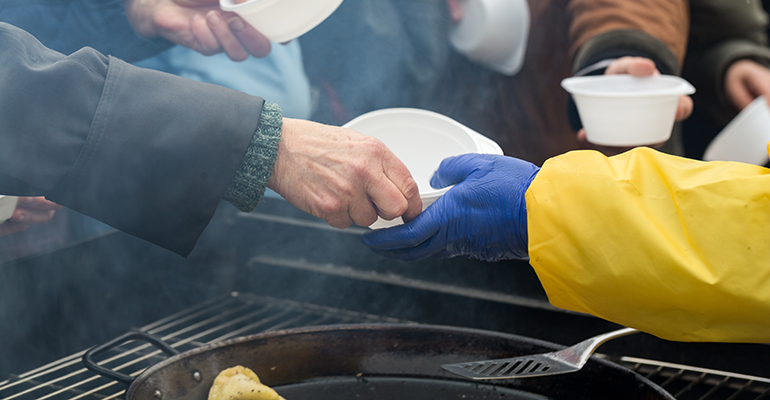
pixel 674 247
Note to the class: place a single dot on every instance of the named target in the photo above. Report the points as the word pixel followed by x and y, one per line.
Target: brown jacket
pixel 604 29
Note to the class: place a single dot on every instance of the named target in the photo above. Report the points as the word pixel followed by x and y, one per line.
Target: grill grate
pixel 240 314
pixel 691 383
pixel 223 318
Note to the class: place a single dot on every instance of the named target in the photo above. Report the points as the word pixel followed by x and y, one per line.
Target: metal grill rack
pixel 233 315
pixel 691 383
pixel 239 314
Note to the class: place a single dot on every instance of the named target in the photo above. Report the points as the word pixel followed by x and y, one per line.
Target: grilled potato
pixel 240 383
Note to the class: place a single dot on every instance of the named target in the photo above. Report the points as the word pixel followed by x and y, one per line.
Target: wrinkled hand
pixel 29 211
pixel 745 80
pixel 483 217
pixel 199 25
pixel 342 176
pixel 636 66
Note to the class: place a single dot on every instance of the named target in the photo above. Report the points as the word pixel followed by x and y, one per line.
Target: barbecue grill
pixel 286 270
pixel 278 268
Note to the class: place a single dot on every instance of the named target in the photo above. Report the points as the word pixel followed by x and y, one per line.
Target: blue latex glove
pixel 483 217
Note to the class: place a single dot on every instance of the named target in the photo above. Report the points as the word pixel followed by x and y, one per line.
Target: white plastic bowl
pixel 421 139
pixel 282 20
pixel 622 110
pixel 7 206
pixel 745 138
pixel 493 33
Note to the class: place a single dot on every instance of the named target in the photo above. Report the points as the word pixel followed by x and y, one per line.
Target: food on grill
pixel 240 383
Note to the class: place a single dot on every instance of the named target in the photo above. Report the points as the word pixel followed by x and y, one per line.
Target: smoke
pixel 370 54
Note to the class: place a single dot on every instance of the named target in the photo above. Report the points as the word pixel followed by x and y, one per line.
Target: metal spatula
pixel 570 359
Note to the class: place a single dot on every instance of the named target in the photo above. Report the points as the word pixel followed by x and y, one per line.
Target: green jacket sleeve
pixel 671 246
pixel 723 31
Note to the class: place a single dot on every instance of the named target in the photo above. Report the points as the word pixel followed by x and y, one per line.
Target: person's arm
pixel 29 211
pixel 149 153
pixel 152 154
pixel 728 40
pixel 667 245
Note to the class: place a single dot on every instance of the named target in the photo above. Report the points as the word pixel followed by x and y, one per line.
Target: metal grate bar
pixel 243 314
pixel 209 322
pixel 692 383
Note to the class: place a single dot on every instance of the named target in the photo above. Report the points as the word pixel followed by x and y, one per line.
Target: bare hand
pixel 199 25
pixel 635 66
pixel 29 211
pixel 746 80
pixel 342 176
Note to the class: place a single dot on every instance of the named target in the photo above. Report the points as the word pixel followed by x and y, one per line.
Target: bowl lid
pixel 627 86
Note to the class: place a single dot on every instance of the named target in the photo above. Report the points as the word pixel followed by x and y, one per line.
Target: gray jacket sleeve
pixel 149 153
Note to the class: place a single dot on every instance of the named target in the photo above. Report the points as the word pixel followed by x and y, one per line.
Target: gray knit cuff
pixel 248 186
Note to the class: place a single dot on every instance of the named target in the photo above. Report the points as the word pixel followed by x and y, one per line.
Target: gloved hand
pixel 483 217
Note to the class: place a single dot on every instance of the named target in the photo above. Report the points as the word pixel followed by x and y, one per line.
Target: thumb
pixel 454 170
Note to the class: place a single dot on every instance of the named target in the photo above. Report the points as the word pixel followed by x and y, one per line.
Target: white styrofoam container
pixel 421 139
pixel 624 110
pixel 7 206
pixel 745 138
pixel 282 20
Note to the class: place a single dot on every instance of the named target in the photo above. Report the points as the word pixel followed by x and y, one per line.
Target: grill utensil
pixel 564 361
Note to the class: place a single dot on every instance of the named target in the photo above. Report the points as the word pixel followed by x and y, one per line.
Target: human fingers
pixel 31 216
pixel 455 10
pixel 757 77
pixel 744 81
pixel 206 42
pixel 398 194
pixel 402 236
pixel 252 41
pixel 225 37
pixel 410 241
pixel 636 66
pixel 740 96
pixel 37 203
pixel 430 247
pixel 454 170
pixel 684 107
pixel 9 227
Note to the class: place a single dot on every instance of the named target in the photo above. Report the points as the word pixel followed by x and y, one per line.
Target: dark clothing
pixel 149 153
pixel 723 31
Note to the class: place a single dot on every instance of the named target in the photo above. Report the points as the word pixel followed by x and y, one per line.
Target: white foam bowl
pixel 493 33
pixel 623 110
pixel 421 139
pixel 745 138
pixel 282 20
pixel 7 206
